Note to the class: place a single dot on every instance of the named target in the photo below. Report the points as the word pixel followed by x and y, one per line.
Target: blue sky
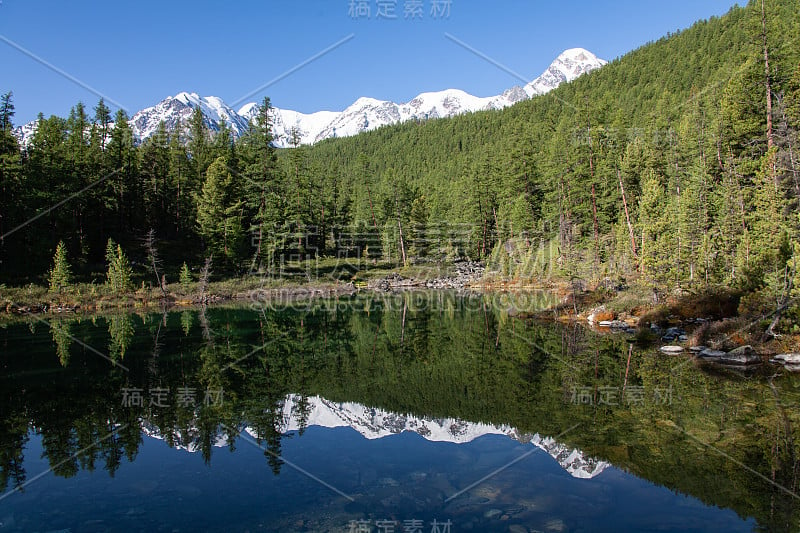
pixel 137 53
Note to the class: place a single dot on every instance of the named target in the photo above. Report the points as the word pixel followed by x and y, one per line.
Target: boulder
pixel 742 350
pixel 600 315
pixel 787 358
pixel 671 349
pixel 709 353
pixel 698 349
pixel 743 355
pixel 739 360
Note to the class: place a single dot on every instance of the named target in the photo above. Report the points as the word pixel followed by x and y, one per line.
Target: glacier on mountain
pixel 364 114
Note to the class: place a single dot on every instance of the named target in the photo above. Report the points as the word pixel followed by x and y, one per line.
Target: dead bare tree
pixel 205 273
pixel 154 260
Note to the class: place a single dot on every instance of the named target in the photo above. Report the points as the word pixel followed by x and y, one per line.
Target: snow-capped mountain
pixel 179 108
pixel 568 66
pixel 284 121
pixel 376 424
pixel 364 114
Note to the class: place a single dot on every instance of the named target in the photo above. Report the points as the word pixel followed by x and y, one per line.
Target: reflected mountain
pixel 373 423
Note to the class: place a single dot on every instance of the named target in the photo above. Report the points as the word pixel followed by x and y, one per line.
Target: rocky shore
pixel 466 274
pixel 684 336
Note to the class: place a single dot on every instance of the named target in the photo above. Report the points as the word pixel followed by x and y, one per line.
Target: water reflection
pixel 458 385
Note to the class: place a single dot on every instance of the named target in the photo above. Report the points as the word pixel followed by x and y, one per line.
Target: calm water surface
pixel 416 412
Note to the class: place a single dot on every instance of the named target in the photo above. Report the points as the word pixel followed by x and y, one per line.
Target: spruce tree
pixel 185 278
pixel 118 273
pixel 61 273
pixel 219 213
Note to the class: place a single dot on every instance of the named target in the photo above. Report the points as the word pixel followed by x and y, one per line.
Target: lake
pixel 422 411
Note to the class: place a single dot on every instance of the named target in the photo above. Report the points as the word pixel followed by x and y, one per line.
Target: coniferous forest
pixel 675 166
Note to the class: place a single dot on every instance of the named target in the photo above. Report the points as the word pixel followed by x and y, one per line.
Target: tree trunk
pixel 627 213
pixel 402 243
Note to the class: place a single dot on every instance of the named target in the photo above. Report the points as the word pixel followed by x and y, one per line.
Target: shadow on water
pixel 203 380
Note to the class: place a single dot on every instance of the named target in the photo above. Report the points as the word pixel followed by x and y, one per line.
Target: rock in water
pixel 600 315
pixel 739 360
pixel 743 355
pixel 742 350
pixel 709 353
pixel 790 361
pixel 671 349
pixel 787 358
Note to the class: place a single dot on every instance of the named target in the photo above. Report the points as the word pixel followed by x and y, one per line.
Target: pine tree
pixel 185 278
pixel 418 222
pixel 11 192
pixel 61 274
pixel 198 144
pixel 124 187
pixel 262 186
pixel 154 171
pixel 102 118
pixel 6 111
pixel 219 213
pixel 118 274
pixel 184 184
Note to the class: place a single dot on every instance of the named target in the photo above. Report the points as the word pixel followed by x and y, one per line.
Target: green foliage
pixel 219 213
pixel 60 275
pixel 118 272
pixel 60 331
pixel 185 278
pixel 121 333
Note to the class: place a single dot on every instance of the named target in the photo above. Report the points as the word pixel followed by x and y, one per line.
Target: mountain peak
pixel 568 66
pixel 363 115
pixel 579 54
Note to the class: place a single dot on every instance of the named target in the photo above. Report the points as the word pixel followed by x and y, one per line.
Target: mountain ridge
pixel 364 114
pixel 373 424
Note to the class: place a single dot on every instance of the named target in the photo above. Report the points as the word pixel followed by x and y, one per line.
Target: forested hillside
pixel 675 165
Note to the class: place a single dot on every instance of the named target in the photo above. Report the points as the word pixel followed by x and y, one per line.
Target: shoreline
pixel 706 319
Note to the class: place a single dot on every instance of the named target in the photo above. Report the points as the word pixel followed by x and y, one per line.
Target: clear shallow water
pixel 402 477
pixel 383 413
